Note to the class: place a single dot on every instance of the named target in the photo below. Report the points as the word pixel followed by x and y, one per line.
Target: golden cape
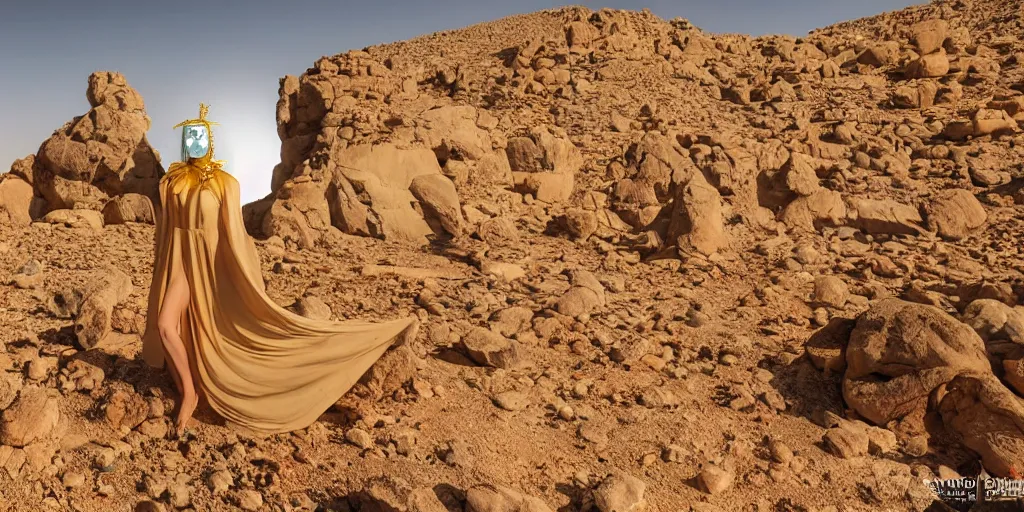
pixel 260 366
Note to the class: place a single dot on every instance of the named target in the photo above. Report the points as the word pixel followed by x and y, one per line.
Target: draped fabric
pixel 260 366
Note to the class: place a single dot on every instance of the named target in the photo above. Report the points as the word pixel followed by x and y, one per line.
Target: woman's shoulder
pixel 172 171
pixel 226 178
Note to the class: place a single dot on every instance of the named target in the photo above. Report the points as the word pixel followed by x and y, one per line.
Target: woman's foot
pixel 189 402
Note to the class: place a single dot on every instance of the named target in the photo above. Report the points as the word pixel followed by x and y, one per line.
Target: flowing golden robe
pixel 260 366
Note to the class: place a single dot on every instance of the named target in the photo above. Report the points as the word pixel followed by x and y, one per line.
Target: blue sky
pixel 230 54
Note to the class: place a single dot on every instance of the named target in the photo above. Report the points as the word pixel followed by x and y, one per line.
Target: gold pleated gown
pixel 260 366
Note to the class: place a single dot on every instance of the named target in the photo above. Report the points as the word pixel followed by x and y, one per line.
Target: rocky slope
pixel 659 269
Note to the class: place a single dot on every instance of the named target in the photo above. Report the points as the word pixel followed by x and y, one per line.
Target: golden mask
pixel 196 151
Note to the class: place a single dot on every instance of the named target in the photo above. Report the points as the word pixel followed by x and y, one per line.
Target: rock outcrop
pixel 99 156
pixel 900 352
pixel 100 161
pixel 338 171
pixel 18 204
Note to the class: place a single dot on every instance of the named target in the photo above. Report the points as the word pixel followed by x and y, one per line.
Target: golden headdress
pixel 202 167
pixel 203 110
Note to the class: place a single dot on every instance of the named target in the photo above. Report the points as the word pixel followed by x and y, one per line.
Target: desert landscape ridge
pixel 656 269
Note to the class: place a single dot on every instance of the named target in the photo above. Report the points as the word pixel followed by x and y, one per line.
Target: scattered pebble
pixel 359 438
pixel 714 479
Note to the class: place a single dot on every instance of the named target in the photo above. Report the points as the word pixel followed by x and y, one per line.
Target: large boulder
pixel 492 498
pixel 393 494
pixel 900 352
pixel 919 95
pixel 544 163
pixel 352 159
pixel 33 417
pixel 620 491
pixel 129 207
pixel 89 219
pixel 1001 327
pixel 375 190
pixel 15 201
pixel 453 130
pixel 659 161
pixel 954 213
pixel 586 295
pixel 929 35
pixel 650 168
pixel 697 222
pixel 795 178
pixel 391 372
pixel 929 66
pixel 992 122
pixel 989 420
pixel 101 154
pixel 960 130
pixel 300 212
pixel 885 216
pixel 880 55
pixel 439 201
pixel 994 320
pixel 799 175
pixel 822 208
pixel 387 174
pixel 488 348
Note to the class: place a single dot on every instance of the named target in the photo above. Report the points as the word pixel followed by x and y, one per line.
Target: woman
pixel 261 367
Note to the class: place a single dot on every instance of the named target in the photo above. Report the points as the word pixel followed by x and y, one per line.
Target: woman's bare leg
pixel 176 300
pixel 174 374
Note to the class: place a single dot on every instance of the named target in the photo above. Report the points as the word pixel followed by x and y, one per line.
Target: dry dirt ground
pixel 657 269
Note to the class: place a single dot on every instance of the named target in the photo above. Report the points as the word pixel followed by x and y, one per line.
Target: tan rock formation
pixel 100 155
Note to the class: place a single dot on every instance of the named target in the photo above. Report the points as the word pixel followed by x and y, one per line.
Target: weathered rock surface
pixel 989 419
pixel 885 217
pixel 697 222
pixel 16 198
pixel 491 349
pixel 33 417
pixel 487 498
pixel 900 352
pixel 386 494
pixel 955 214
pixel 100 155
pixel 544 163
pixel 92 306
pixel 620 491
pixel 129 207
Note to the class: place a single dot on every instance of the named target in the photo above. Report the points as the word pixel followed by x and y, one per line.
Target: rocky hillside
pixel 658 270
